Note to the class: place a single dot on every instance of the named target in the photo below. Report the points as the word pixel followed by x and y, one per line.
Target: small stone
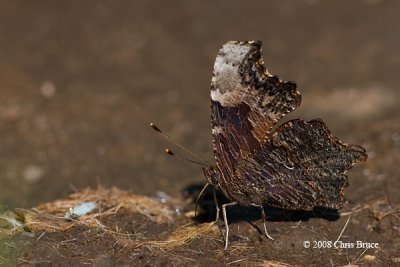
pixel 48 89
pixel 369 259
pixel 32 173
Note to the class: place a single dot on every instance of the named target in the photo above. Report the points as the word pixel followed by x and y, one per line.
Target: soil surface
pixel 80 82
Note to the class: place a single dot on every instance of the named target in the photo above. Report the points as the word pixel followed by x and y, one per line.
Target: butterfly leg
pixel 198 198
pixel 216 205
pixel 226 221
pixel 264 219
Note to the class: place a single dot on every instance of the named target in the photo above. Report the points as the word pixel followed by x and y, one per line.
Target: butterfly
pixel 298 165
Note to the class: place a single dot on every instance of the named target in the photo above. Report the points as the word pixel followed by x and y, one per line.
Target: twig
pixel 341 233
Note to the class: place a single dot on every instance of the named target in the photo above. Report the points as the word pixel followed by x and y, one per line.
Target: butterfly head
pixel 213 174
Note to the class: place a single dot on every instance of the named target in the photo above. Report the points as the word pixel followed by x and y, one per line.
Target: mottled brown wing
pixel 246 103
pixel 301 167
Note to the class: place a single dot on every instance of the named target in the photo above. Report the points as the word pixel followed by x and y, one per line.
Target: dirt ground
pixel 80 82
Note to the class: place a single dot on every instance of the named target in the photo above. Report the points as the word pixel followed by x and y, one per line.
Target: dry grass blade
pixel 184 235
pixel 110 201
pixel 275 264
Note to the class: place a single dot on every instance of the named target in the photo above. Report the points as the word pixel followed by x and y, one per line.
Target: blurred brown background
pixel 81 80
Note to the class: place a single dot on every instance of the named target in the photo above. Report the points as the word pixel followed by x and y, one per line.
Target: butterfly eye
pixel 212 175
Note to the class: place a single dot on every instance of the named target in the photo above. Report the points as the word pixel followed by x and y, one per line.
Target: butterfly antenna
pixel 169 152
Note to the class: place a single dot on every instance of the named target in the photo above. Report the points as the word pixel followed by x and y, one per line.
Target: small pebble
pixel 32 173
pixel 369 259
pixel 48 89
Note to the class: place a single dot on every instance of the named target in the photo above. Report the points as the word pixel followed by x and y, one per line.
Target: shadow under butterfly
pixel 298 165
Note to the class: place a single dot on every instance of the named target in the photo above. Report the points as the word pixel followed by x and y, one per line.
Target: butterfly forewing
pixel 246 102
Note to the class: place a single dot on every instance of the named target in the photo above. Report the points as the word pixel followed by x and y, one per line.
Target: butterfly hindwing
pixel 301 167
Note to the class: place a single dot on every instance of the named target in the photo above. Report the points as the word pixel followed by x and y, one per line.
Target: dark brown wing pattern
pixel 300 165
pixel 246 103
